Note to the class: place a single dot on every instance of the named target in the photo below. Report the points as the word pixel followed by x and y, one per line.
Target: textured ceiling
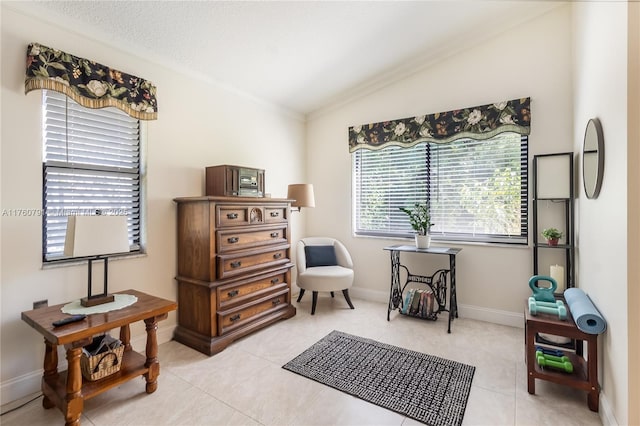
pixel 301 56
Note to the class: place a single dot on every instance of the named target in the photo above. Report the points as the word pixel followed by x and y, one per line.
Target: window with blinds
pixel 91 165
pixel 476 190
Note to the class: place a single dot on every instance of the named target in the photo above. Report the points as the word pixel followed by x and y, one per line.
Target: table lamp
pixel 302 193
pixel 96 237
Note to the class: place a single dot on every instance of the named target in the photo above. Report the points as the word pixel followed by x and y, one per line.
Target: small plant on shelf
pixel 419 218
pixel 552 235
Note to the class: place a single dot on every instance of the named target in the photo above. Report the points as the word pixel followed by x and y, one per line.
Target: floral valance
pixel 89 83
pixel 480 122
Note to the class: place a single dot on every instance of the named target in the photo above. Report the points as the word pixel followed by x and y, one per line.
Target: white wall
pixel 199 125
pixel 600 90
pixel 533 60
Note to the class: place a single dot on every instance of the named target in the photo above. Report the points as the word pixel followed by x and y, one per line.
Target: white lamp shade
pixel 302 193
pixel 96 235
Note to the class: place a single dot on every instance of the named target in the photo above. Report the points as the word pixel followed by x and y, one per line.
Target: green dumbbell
pixel 550 357
pixel 564 365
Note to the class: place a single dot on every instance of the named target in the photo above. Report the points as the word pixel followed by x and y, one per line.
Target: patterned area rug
pixel 424 387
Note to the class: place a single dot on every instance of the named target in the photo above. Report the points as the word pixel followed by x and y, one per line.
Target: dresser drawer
pixel 231 319
pixel 233 264
pixel 275 214
pixel 231 216
pixel 241 291
pixel 239 239
pixel 228 215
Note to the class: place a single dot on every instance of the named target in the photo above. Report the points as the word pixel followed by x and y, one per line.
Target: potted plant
pixel 552 235
pixel 420 221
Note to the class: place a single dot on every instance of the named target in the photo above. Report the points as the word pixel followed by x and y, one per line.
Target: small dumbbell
pixel 543 361
pixel 562 358
pixel 549 351
pixel 559 308
pixel 548 304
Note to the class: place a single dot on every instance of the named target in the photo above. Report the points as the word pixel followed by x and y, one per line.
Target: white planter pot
pixel 423 241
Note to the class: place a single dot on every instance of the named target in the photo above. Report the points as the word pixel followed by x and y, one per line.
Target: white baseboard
pixel 495 316
pixel 370 295
pixel 20 387
pixel 605 411
pixel 465 311
pixel 28 384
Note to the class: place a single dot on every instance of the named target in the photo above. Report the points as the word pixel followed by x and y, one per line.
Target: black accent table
pixel 437 282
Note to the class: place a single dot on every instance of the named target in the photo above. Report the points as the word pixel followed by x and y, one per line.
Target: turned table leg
pixel 125 337
pixel 152 353
pixel 74 400
pixel 50 370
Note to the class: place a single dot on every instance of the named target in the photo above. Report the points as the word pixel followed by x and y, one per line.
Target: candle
pixel 557 273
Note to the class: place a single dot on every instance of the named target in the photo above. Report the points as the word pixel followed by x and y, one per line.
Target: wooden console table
pixel 66 389
pixel 438 287
pixel 585 372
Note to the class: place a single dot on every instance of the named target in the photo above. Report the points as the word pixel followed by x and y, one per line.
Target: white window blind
pixel 477 190
pixel 386 180
pixel 91 163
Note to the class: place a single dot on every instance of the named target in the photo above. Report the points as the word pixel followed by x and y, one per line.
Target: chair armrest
pixel 301 259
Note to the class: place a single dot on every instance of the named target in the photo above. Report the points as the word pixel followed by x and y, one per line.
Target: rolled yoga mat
pixel 584 313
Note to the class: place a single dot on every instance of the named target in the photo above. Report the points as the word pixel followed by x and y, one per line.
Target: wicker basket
pixel 98 366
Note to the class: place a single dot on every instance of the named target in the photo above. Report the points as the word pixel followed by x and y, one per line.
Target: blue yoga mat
pixel 584 313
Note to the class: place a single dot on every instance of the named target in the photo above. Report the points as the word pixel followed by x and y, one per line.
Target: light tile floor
pixel 245 384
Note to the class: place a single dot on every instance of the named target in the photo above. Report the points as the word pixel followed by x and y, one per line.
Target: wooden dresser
pixel 234 268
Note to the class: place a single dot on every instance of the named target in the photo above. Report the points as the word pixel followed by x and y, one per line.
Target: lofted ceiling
pixel 302 56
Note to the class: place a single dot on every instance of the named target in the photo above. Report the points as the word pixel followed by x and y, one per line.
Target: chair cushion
pixel 320 256
pixel 326 278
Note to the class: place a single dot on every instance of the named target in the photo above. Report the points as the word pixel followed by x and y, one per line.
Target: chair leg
pixel 331 294
pixel 314 302
pixel 347 298
pixel 300 295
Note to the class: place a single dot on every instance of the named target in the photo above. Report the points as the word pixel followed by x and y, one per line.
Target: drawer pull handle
pixel 275 302
pixel 233 240
pixel 277 255
pixel 275 280
pixel 236 264
pixel 275 214
pixel 232 293
pixel 274 235
pixel 232 215
pixel 235 318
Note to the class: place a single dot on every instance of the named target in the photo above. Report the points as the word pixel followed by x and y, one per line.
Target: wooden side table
pixel 67 390
pixel 585 372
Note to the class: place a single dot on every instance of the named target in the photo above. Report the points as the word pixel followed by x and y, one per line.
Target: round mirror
pixel 593 158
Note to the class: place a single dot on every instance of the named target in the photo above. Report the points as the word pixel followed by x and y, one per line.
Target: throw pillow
pixel 320 256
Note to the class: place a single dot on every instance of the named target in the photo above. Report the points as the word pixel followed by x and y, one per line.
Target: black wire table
pixel 437 282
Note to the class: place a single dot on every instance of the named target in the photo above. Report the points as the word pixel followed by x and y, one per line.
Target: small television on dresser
pixel 238 181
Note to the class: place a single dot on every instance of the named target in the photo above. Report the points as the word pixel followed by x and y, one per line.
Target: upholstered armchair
pixel 323 264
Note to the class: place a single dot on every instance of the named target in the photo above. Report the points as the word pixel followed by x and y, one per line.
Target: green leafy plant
pixel 419 218
pixel 551 234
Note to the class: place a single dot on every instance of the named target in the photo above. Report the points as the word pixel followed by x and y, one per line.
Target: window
pixel 91 161
pixel 477 190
